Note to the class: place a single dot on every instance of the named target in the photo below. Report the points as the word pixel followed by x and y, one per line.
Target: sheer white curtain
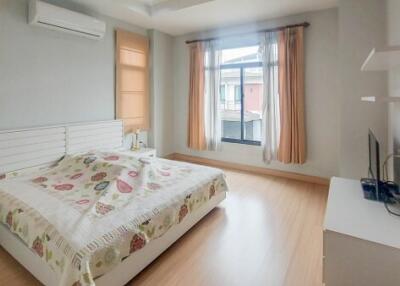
pixel 212 63
pixel 271 114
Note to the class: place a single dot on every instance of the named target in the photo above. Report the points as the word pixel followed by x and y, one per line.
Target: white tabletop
pixel 349 213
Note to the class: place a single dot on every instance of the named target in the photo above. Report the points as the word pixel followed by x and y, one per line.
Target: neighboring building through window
pixel 242 85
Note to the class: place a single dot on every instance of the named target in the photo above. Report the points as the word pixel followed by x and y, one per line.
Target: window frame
pixel 241 67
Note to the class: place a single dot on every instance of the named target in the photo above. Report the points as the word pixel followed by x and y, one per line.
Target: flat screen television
pixel 373 169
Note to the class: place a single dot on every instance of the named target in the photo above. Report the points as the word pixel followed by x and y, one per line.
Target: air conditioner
pixel 57 18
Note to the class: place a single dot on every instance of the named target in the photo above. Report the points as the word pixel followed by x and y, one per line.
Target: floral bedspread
pixel 91 211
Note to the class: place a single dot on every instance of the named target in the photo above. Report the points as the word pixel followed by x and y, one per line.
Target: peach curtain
pixel 196 128
pixel 292 143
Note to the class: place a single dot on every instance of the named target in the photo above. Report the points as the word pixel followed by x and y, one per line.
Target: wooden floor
pixel 267 232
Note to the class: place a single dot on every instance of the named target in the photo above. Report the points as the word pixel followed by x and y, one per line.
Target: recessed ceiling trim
pixel 215 15
pixel 175 5
pixel 138 7
pixel 162 7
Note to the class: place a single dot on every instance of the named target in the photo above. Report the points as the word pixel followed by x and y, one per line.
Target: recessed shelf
pixel 382 59
pixel 380 99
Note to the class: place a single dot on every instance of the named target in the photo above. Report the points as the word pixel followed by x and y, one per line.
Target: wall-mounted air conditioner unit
pixel 57 18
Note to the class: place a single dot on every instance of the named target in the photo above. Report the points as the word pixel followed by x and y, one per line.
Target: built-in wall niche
pixel 395 114
pixel 387 59
pixel 378 60
pixel 382 59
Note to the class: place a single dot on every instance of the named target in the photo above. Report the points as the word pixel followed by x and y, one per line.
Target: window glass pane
pixel 253 102
pixel 241 55
pixel 238 94
pixel 132 104
pixel 132 79
pixel 222 94
pixel 132 58
pixel 230 108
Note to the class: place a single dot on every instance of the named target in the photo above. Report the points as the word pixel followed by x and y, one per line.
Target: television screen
pixel 373 170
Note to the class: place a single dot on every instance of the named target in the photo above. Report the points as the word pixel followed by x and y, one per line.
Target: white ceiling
pixel 177 17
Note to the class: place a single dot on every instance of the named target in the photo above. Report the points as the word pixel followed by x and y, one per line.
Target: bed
pixel 75 210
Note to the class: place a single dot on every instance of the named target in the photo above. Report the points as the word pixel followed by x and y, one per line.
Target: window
pixel 242 78
pixel 132 99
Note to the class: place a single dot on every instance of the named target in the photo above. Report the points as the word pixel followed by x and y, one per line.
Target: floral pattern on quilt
pixel 98 184
pixel 152 229
pixel 104 182
pixel 38 241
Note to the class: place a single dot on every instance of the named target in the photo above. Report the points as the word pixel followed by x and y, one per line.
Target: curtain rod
pixel 305 25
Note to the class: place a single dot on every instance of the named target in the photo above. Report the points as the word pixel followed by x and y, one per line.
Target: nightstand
pixel 142 152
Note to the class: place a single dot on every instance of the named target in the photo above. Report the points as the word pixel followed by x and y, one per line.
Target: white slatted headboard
pixel 85 137
pixel 20 149
pixel 31 147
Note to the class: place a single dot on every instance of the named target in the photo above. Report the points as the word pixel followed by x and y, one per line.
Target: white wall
pixel 362 26
pixel 50 77
pixel 322 99
pixel 161 135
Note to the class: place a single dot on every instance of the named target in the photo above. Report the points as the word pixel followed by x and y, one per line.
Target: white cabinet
pixel 361 240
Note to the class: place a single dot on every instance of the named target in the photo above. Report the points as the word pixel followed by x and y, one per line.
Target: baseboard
pixel 170 156
pixel 248 168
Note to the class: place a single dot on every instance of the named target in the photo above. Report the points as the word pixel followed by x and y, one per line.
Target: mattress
pixel 91 211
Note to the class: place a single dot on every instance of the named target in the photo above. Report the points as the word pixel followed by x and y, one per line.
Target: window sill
pixel 242 142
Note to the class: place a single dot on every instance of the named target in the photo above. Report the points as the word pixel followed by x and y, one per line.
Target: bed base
pixel 123 272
